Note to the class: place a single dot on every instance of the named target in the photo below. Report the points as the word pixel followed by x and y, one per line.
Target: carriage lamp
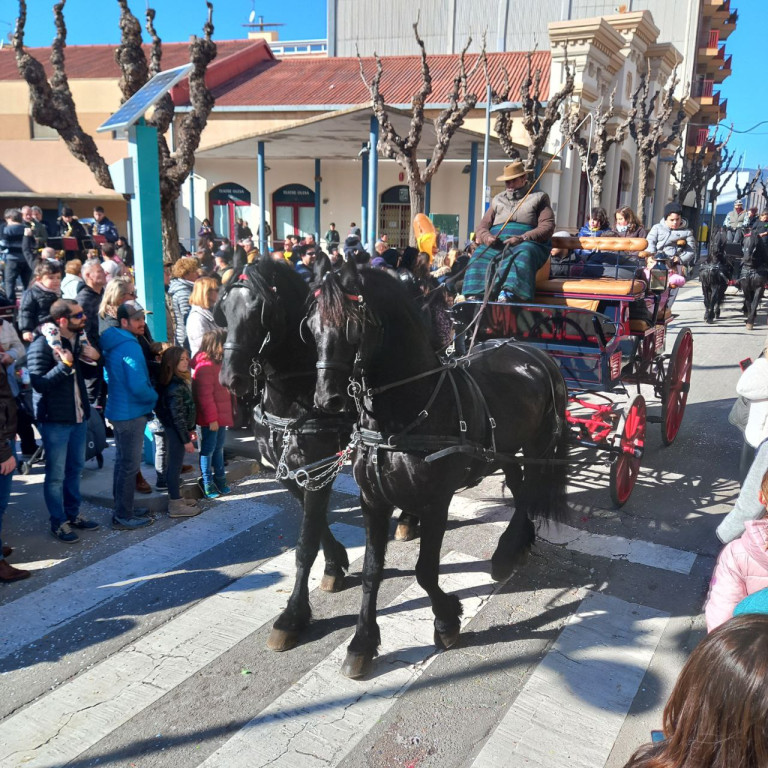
pixel 659 275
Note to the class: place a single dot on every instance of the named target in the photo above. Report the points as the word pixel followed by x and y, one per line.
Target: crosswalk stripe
pixel 36 614
pixel 570 712
pixel 72 718
pixel 576 539
pixel 324 716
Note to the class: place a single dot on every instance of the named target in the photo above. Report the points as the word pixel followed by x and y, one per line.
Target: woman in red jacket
pixel 214 413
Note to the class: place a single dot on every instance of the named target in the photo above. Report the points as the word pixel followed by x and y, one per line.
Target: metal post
pixel 428 193
pixel 486 188
pixel 192 230
pixel 373 182
pixel 472 188
pixel 364 194
pixel 147 227
pixel 318 200
pixel 262 199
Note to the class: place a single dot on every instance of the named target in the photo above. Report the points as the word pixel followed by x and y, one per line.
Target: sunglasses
pixel 77 316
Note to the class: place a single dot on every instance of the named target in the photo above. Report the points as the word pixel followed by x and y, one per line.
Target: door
pixel 225 201
pixel 293 211
pixel 395 216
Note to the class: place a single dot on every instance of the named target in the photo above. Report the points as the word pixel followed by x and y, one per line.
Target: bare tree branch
pixel 537 119
pixel 52 103
pixel 404 150
pixel 649 132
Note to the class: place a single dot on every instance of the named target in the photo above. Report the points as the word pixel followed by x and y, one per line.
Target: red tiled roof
pixel 98 61
pixel 337 80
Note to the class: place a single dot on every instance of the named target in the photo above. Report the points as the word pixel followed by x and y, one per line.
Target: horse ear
pixel 350 277
pixel 322 265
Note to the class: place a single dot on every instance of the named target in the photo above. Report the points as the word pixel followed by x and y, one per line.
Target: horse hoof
pixel 750 326
pixel 356 665
pixel 405 532
pixel 332 583
pixel 447 639
pixel 282 639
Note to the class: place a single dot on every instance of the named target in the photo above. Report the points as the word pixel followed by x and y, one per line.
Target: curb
pixel 238 469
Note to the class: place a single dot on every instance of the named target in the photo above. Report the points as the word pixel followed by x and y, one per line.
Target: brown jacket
pixel 535 211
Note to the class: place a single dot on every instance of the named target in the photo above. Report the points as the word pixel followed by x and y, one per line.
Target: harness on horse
pixel 281 429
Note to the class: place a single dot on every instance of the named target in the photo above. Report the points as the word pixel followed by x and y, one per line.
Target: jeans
pixel 15 268
pixel 212 454
pixel 5 495
pixel 64 446
pixel 129 441
pixel 174 463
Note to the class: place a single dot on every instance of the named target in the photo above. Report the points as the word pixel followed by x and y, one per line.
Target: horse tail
pixel 546 481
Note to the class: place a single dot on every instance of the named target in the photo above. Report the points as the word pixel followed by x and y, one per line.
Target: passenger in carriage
pixel 596 226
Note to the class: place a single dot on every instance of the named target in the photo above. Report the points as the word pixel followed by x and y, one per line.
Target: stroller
pixel 95 441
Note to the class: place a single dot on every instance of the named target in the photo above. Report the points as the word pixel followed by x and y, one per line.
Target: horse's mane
pixel 382 293
pixel 717 244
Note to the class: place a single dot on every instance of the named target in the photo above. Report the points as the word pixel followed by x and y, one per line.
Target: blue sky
pixel 177 19
pixel 744 89
pixel 91 22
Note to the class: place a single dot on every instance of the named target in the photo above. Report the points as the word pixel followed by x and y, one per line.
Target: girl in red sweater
pixel 214 413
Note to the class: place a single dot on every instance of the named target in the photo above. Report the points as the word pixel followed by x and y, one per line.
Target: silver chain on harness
pixel 321 473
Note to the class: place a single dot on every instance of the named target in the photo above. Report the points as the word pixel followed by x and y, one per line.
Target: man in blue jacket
pixel 130 402
pixel 61 412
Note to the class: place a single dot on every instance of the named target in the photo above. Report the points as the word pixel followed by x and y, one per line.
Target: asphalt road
pixel 148 649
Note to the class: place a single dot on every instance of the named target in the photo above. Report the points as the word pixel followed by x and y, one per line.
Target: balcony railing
pixel 714 38
pixel 703 89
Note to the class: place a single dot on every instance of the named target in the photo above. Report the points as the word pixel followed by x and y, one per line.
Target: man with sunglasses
pixel 61 413
pixel 305 265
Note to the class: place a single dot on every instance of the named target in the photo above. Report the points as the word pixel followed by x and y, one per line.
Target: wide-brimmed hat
pixel 512 171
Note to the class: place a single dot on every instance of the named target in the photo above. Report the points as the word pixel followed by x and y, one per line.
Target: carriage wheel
pixel 631 439
pixel 677 382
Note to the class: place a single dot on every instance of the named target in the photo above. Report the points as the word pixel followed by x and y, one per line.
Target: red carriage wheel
pixel 677 382
pixel 631 442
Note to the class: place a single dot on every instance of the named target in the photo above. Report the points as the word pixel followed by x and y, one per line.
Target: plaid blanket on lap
pixel 523 262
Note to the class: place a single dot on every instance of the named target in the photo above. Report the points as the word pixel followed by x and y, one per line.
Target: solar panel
pixel 144 98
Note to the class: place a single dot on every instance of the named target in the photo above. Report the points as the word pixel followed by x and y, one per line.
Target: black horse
pixel 426 429
pixel 754 274
pixel 713 276
pixel 263 309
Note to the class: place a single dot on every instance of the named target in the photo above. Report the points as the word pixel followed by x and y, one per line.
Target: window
pixel 37 131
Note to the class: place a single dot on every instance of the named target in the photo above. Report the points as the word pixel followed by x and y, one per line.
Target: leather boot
pixel 7 551
pixel 142 486
pixel 9 573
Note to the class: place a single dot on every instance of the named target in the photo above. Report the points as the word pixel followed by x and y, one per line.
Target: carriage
pixel 608 337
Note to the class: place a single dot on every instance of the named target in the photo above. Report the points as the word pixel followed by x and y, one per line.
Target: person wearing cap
pixel 520 222
pixel 353 249
pixel 70 226
pixel 735 218
pixel 130 402
pixel 61 407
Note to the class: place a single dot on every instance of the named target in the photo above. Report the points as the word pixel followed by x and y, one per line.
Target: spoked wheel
pixel 630 435
pixel 677 382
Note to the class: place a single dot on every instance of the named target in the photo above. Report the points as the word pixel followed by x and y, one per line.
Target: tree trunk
pixel 597 190
pixel 642 189
pixel 170 230
pixel 417 189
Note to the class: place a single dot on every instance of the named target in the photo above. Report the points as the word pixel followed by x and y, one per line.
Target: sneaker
pixel 65 533
pixel 131 524
pixel 83 525
pixel 222 486
pixel 209 489
pixel 161 485
pixel 141 511
pixel 177 508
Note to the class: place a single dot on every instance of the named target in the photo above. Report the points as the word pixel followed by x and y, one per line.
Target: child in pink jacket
pixel 741 569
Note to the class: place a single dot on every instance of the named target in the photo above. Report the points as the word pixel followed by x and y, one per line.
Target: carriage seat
pixel 600 286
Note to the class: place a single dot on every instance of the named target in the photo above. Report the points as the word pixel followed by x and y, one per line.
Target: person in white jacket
pixel 753 386
pixel 200 318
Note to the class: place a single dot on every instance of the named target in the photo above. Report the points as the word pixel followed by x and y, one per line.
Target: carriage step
pixel 653 419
